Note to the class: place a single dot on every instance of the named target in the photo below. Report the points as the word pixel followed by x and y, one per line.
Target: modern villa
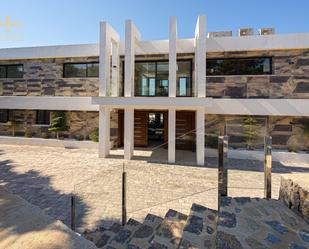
pixel 182 93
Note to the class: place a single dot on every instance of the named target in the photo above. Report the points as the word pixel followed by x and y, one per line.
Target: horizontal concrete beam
pixel 152 102
pixel 214 44
pixel 272 107
pixel 47 103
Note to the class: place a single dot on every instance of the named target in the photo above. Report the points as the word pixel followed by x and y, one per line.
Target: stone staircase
pixel 241 223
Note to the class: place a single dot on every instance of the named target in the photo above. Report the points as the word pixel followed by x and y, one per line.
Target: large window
pixel 184 78
pixel 81 70
pixel 239 66
pixel 151 78
pixel 11 71
pixel 4 116
pixel 42 117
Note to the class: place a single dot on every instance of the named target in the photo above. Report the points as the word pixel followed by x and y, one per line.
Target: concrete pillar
pixel 109 43
pixel 131 37
pixel 104 131
pixel 171 135
pixel 200 57
pixel 128 132
pixel 200 136
pixel 115 70
pixel 104 59
pixel 172 57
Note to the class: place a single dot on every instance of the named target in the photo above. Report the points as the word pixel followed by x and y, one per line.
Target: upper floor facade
pixel 254 66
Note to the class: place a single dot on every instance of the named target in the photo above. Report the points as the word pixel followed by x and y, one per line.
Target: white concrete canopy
pixel 214 44
pixel 182 103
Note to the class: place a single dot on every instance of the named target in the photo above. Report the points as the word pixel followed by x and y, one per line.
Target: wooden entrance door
pixel 185 134
pixel 140 128
pixel 185 125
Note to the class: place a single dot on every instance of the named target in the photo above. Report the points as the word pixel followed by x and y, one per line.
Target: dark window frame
pixel 79 63
pixel 10 115
pixel 155 61
pixel 242 58
pixel 6 66
pixel 46 119
pixel 7 116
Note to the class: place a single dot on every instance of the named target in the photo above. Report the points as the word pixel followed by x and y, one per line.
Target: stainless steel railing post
pixel 222 167
pixel 267 166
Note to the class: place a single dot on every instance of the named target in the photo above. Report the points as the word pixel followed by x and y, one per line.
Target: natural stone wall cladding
pixel 290 78
pixel 44 77
pixel 80 123
pixel 294 193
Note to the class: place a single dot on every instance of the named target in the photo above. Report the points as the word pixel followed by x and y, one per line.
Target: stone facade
pixel 294 193
pixel 79 123
pixel 290 77
pixel 44 77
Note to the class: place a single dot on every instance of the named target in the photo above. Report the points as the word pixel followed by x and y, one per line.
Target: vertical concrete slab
pixel 128 132
pixel 104 59
pixel 171 135
pixel 200 136
pixel 200 57
pixel 104 131
pixel 131 37
pixel 109 44
pixel 172 64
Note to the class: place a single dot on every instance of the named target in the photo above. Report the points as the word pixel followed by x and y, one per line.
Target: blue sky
pixel 51 22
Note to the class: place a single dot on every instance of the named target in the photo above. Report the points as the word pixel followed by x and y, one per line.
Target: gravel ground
pixel 47 177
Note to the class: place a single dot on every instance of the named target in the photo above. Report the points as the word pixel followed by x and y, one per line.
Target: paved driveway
pixel 47 177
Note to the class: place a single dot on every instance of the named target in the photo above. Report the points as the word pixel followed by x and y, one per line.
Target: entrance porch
pixel 160 131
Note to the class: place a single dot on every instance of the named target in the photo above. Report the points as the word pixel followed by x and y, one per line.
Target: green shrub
pixel 306 129
pixel 250 131
pixel 94 135
pixel 79 137
pixel 292 148
pixel 44 135
pixel 58 123
pixel 28 133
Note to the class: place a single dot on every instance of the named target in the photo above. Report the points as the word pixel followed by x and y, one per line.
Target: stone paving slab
pixel 24 226
pixel 47 176
pixel 259 223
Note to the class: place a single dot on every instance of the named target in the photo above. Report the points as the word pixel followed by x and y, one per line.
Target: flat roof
pixel 214 44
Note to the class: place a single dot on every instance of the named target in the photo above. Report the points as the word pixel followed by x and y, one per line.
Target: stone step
pixel 153 220
pixel 259 223
pixel 169 232
pixel 100 237
pixel 200 229
pixel 145 234
pixel 122 238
